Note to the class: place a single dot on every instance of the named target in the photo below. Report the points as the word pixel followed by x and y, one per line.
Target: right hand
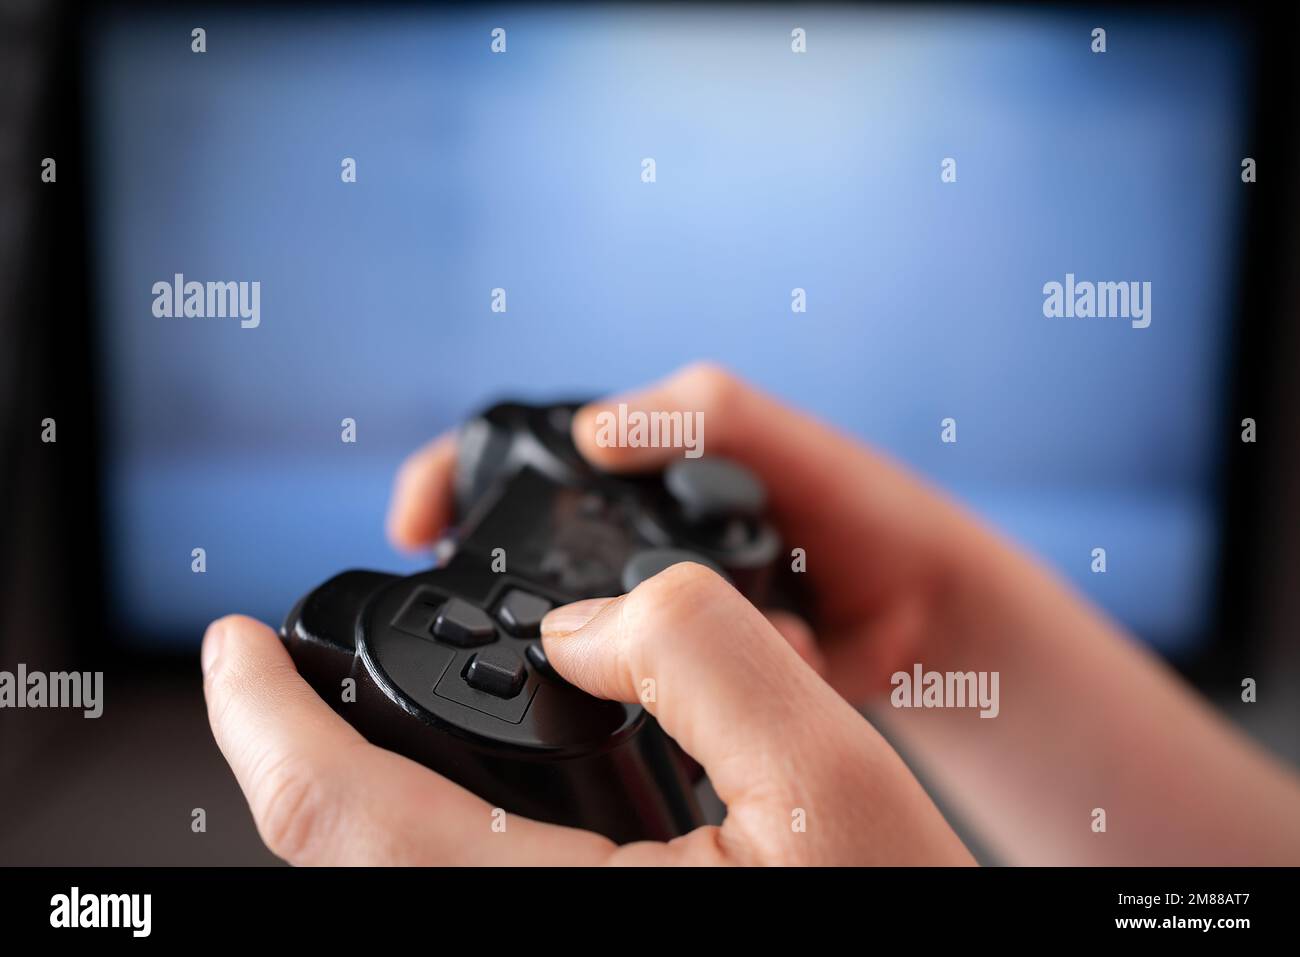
pixel 900 576
pixel 898 572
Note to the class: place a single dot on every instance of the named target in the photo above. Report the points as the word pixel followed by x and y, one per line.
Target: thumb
pixel 778 744
pixel 721 680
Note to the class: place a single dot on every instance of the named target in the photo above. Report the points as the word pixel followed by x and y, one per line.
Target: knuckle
pixel 662 609
pixel 711 383
pixel 691 578
pixel 678 587
pixel 290 807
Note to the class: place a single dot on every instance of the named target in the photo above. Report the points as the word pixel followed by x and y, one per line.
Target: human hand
pixel 804 777
pixel 901 576
pixel 898 573
pixel 806 780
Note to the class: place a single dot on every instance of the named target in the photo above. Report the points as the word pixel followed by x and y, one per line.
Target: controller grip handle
pixel 321 629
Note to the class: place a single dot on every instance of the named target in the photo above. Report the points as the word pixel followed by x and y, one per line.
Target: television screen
pixel 916 184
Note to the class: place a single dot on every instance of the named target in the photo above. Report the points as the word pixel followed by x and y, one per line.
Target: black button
pixel 652 561
pixel 536 656
pixel 460 623
pixel 709 489
pixel 522 613
pixel 498 671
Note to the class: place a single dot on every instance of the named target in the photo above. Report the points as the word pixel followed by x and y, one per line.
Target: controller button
pixel 460 623
pixel 522 613
pixel 536 656
pixel 498 671
pixel 651 562
pixel 708 489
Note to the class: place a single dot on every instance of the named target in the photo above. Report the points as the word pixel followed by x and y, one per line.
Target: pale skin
pixel 766 702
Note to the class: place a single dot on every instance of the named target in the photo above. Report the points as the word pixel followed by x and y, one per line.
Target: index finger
pixel 799 458
pixel 826 485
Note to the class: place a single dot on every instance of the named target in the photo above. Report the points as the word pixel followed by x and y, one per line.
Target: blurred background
pixel 522 171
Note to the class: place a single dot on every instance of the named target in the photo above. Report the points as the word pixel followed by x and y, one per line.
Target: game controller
pixel 447 666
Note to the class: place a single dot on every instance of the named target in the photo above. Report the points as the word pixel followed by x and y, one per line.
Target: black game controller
pixel 447 665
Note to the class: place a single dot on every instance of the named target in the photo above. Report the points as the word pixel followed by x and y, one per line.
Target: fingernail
pixel 211 646
pixel 569 618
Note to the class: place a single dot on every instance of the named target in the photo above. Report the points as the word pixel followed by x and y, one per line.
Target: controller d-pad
pixel 460 623
pixel 497 671
pixel 522 613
